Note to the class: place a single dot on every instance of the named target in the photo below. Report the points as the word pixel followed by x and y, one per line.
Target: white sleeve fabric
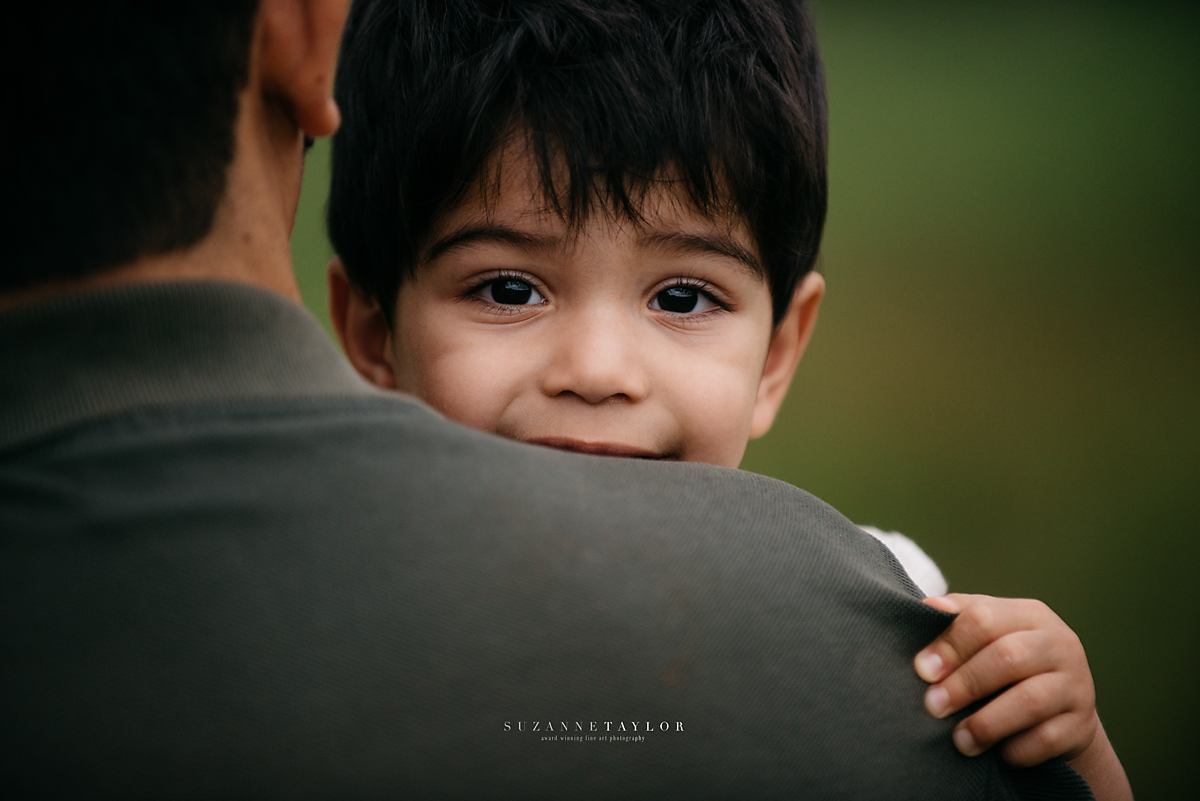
pixel 920 568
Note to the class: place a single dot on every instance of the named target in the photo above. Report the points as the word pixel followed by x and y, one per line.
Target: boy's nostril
pixel 617 397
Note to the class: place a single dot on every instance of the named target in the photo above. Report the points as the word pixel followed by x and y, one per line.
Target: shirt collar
pixel 95 354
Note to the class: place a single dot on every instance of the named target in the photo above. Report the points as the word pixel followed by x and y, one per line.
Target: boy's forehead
pixel 508 200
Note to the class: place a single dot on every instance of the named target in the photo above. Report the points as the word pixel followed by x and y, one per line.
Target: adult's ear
pixel 787 346
pixel 361 328
pixel 297 49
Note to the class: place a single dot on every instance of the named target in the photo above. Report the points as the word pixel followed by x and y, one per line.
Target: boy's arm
pixel 1049 706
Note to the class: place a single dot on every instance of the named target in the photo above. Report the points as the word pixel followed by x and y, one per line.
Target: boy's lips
pixel 598 448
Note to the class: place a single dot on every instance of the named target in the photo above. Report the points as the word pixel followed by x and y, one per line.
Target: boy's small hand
pixel 1049 708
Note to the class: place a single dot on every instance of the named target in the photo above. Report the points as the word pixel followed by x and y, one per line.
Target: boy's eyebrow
pixel 473 234
pixel 712 244
pixel 705 244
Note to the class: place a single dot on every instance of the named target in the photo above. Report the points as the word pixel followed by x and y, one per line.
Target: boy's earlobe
pixel 787 346
pixel 361 328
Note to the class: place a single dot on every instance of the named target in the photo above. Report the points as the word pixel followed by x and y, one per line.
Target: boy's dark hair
pixel 726 95
pixel 123 131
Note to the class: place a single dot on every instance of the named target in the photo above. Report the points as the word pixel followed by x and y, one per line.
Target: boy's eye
pixel 511 292
pixel 682 299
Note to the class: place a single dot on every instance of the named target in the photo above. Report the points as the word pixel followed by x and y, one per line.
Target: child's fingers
pixel 981 620
pixel 1065 735
pixel 947 603
pixel 1039 699
pixel 1006 661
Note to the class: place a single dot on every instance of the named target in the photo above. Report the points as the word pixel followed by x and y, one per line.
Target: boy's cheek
pixel 715 411
pixel 724 447
pixel 466 375
pixel 470 386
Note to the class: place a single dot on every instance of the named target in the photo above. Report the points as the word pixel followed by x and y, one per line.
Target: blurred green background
pixel 1007 366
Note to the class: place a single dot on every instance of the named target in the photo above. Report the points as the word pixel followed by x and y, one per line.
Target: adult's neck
pixel 249 239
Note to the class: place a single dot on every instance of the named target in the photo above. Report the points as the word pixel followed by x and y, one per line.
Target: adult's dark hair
pixel 725 95
pixel 121 129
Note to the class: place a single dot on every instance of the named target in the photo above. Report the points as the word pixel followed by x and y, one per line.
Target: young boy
pixel 591 225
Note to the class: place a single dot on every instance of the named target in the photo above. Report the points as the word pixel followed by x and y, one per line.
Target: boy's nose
pixel 598 360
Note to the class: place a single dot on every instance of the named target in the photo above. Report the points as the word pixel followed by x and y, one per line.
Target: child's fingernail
pixel 937 701
pixel 929 666
pixel 965 743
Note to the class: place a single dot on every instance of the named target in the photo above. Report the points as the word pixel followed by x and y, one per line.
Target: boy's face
pixel 652 340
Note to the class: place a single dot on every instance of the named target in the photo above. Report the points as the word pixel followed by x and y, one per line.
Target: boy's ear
pixel 787 346
pixel 361 328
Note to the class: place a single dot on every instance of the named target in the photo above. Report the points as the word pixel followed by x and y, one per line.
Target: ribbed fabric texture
pixel 96 354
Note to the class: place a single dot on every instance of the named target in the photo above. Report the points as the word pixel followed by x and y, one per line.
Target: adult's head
pixel 156 139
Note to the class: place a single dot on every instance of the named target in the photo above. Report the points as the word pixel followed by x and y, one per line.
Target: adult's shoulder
pixel 355 596
pixel 472 480
pixel 421 444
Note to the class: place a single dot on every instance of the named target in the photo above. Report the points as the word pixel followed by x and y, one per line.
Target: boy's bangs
pixel 574 184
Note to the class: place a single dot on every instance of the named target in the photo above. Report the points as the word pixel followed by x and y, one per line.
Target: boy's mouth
pixel 598 448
